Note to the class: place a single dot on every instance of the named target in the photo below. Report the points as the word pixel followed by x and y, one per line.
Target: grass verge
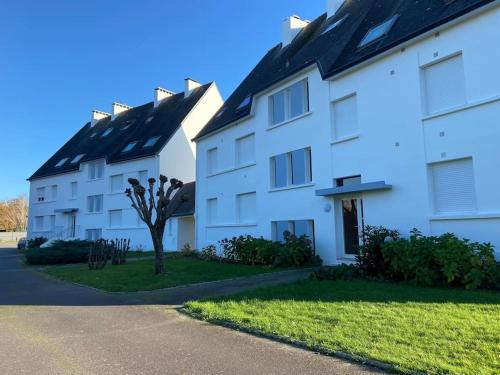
pixel 139 275
pixel 436 331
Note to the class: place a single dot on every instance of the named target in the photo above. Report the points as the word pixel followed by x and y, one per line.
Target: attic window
pixel 77 158
pixel 151 142
pixel 221 111
pixel 106 133
pixel 378 31
pixel 61 162
pixel 149 119
pixel 129 147
pixel 93 135
pixel 335 24
pixel 126 127
pixel 244 103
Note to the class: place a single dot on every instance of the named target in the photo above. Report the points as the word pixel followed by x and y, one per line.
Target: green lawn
pixel 437 331
pixel 139 275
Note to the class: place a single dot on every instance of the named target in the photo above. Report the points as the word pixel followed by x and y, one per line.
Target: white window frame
pixel 40 194
pixel 212 217
pixel 289 173
pixel 92 204
pixel 238 142
pixel 142 177
pixel 291 228
pixel 39 223
pixel 212 157
pixel 333 117
pixel 287 103
pixel 239 218
pixel 73 189
pixel 111 224
pixel 111 189
pixel 96 170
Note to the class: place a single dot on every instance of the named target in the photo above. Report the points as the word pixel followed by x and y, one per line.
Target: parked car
pixel 22 243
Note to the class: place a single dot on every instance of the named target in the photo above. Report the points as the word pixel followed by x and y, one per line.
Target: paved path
pixel 50 327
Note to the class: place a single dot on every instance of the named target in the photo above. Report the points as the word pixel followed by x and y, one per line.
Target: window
pixel 292 168
pixel 453 186
pixel 244 103
pixel 93 234
pixel 96 170
pixel 106 133
pixel 289 103
pixel 61 162
pixel 151 142
pixel 245 206
pixel 116 183
pixel 347 181
pixel 335 24
pixel 77 158
pixel 444 85
pixel 212 161
pixel 170 226
pixel 52 221
pixel 40 194
pixel 295 227
pixel 115 218
pixel 74 189
pixel 344 117
pixel 143 178
pixel 212 211
pixel 94 203
pixel 39 223
pixel 245 150
pixel 53 192
pixel 378 31
pixel 93 135
pixel 129 147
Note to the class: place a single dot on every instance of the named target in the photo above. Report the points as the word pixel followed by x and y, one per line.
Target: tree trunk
pixel 158 245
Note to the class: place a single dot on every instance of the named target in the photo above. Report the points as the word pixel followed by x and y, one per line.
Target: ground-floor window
pixel 93 234
pixel 296 227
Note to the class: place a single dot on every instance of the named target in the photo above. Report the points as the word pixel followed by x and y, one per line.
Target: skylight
pixel 151 142
pixel 335 24
pixel 106 133
pixel 221 111
pixel 149 119
pixel 77 158
pixel 93 135
pixel 61 162
pixel 378 31
pixel 244 103
pixel 125 127
pixel 129 147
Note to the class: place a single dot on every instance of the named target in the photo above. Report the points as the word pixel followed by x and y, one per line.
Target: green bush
pixel 209 253
pixel 36 242
pixel 370 259
pixel 188 251
pixel 443 260
pixel 56 255
pixel 296 251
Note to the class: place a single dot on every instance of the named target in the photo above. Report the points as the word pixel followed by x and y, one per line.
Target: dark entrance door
pixel 350 218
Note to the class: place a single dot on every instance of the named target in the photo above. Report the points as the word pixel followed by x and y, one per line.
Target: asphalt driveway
pixel 50 327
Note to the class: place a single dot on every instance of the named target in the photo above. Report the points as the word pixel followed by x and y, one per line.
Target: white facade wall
pixel 177 159
pixel 396 142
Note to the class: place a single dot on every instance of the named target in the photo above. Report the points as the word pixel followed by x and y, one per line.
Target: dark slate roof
pixel 337 50
pixel 186 207
pixel 143 122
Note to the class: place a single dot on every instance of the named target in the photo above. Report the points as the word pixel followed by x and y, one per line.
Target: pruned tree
pixel 155 209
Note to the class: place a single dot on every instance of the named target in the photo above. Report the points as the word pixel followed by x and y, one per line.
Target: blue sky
pixel 61 59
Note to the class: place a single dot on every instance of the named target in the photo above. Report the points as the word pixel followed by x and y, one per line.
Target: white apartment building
pixel 79 191
pixel 376 113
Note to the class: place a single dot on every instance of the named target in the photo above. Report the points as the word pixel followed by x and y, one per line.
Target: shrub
pixel 36 242
pixel 296 251
pixel 339 272
pixel 56 255
pixel 370 259
pixel 209 253
pixel 443 260
pixel 73 244
pixel 188 251
pixel 250 250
